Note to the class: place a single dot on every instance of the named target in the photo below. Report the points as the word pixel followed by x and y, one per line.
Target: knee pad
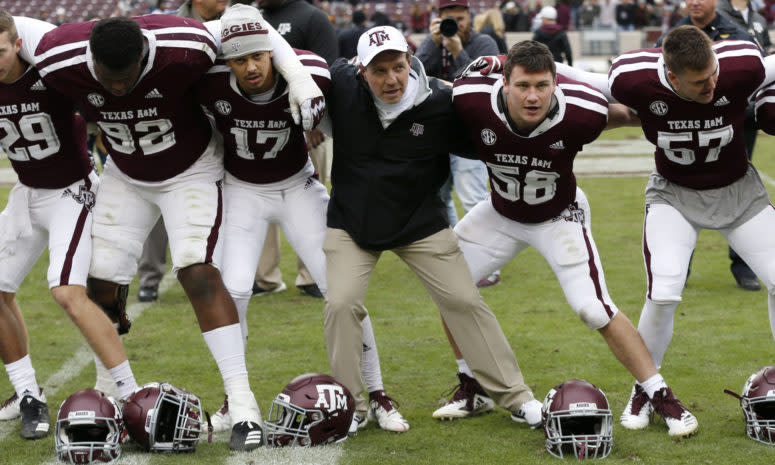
pixel 667 282
pixel 595 315
pixel 111 298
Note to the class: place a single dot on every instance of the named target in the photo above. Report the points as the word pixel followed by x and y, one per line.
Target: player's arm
pixel 620 115
pixel 30 31
pixel 597 80
pixel 306 99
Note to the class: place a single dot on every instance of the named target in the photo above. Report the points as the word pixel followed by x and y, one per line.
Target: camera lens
pixel 448 27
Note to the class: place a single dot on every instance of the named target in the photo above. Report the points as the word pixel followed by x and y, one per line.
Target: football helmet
pixel 89 428
pixel 313 409
pixel 758 403
pixel 577 420
pixel 164 418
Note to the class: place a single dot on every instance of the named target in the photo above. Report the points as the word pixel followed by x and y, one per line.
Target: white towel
pixel 15 220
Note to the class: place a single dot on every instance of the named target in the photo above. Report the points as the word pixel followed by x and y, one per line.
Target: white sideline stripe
pixel 328 455
pixel 82 356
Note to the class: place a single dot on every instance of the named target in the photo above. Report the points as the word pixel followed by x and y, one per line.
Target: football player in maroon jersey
pixel 135 78
pixel 50 206
pixel 528 125
pixel 270 178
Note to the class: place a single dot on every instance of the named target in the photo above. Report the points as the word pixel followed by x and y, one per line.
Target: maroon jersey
pixel 261 143
pixel 41 134
pixel 699 146
pixel 157 130
pixel 531 176
pixel 765 109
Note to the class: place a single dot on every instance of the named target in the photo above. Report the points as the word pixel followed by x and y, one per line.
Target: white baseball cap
pixel 243 31
pixel 548 12
pixel 379 39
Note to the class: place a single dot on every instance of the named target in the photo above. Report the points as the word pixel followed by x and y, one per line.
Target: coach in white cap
pixel 393 128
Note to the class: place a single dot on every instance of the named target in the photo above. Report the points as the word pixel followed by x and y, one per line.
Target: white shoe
pixel 680 421
pixel 529 413
pixel 384 410
pixel 221 420
pixel 638 411
pixel 469 399
pixel 359 421
pixel 9 410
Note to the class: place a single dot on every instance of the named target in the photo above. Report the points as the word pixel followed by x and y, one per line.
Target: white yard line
pixel 328 455
pixel 82 357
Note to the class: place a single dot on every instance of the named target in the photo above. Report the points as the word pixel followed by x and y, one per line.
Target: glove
pixel 488 64
pixel 305 99
pixel 312 111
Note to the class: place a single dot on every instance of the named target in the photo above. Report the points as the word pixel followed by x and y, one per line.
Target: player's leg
pixel 754 241
pixel 193 215
pixel 486 240
pixel 122 219
pixel 471 322
pixel 668 242
pixel 470 179
pixel 244 229
pixel 20 248
pixel 348 268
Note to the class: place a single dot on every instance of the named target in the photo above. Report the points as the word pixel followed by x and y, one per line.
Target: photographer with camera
pixel 452 43
pixel 451 46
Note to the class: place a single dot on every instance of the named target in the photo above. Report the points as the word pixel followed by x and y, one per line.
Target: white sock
pixel 104 382
pixel 653 384
pixel 656 328
pixel 124 378
pixel 370 369
pixel 225 344
pixel 22 377
pixel 462 367
pixel 242 402
pixel 242 313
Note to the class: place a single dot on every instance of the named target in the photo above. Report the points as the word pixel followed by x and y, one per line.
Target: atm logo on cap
pixel 243 29
pixel 378 38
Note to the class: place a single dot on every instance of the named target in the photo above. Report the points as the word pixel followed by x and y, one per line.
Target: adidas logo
pixel 722 101
pixel 38 85
pixel 254 437
pixel 559 145
pixel 154 94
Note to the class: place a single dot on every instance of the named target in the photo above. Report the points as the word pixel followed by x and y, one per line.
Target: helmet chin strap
pixel 733 394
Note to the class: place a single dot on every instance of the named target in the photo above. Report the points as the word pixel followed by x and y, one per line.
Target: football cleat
pixel 385 410
pixel 221 420
pixel 10 408
pixel 469 399
pixel 489 281
pixel 359 421
pixel 680 421
pixel 530 413
pixel 35 420
pixel 638 411
pixel 245 436
pixel 260 291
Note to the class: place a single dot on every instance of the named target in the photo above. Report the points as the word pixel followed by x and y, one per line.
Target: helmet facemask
pixel 586 433
pixel 176 421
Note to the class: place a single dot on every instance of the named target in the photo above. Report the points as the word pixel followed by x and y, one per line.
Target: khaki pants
pixel 440 265
pixel 268 274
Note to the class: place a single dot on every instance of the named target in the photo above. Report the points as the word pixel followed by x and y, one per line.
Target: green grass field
pixel 721 336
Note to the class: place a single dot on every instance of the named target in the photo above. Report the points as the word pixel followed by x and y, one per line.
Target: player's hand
pixel 314 137
pixel 307 103
pixel 488 64
pixel 312 112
